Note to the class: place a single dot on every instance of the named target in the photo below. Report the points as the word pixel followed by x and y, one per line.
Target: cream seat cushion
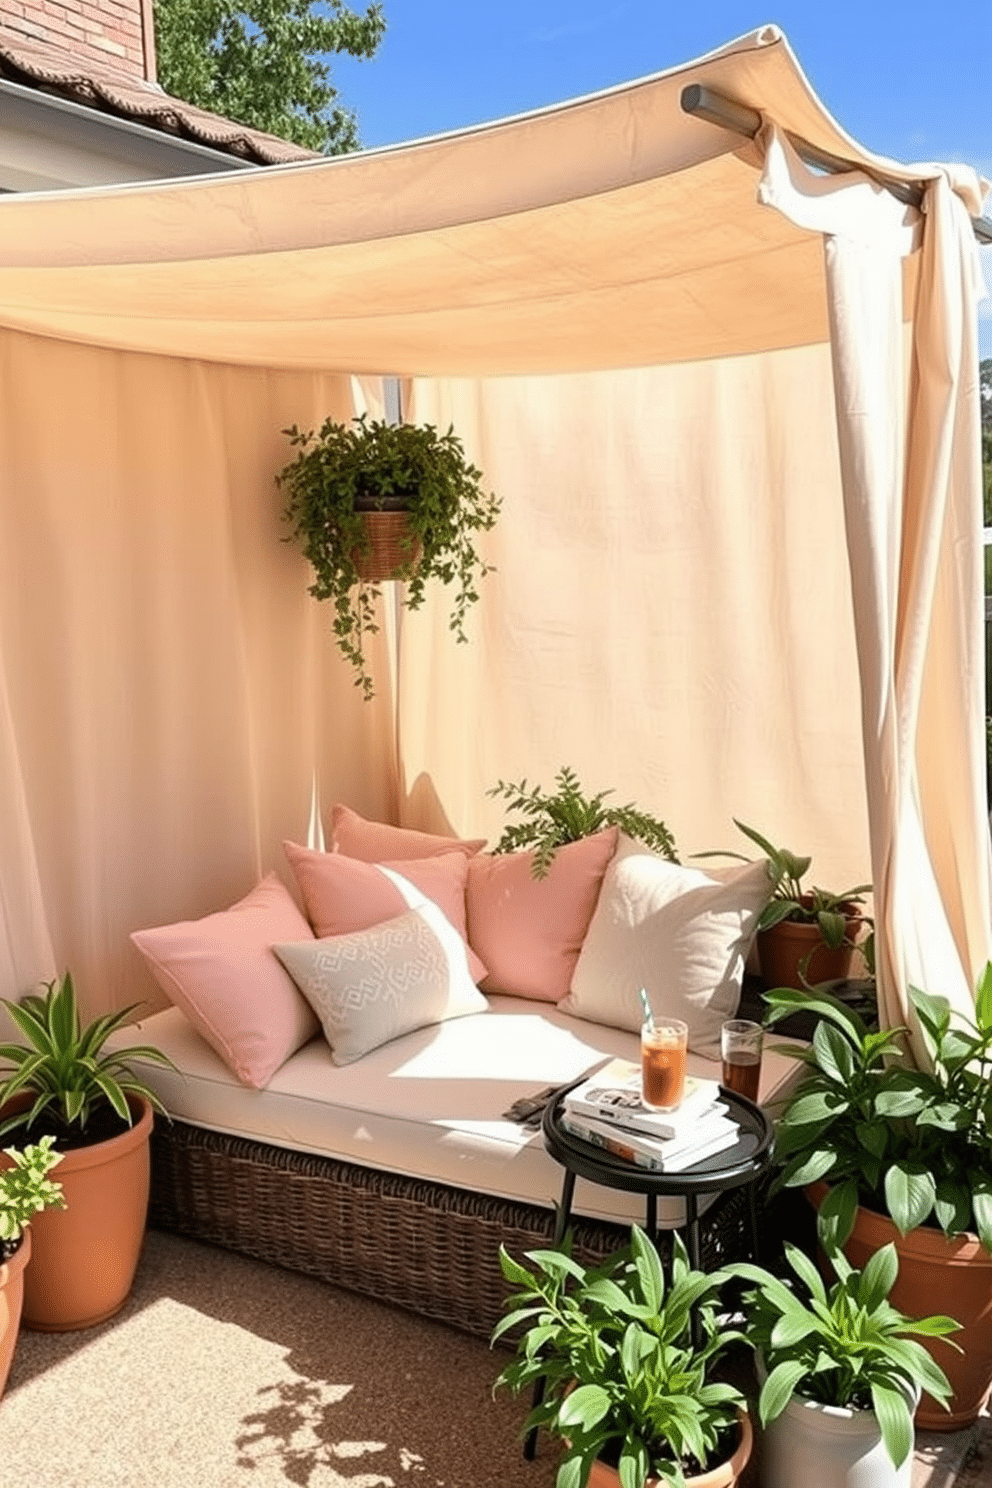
pixel 429 1105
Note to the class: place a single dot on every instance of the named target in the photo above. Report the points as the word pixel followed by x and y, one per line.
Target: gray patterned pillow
pixel 373 985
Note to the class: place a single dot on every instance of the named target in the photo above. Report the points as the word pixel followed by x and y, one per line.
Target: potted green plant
pixel 805 936
pixel 25 1190
pixel 625 1387
pixel 63 1083
pixel 567 814
pixel 840 1372
pixel 889 1152
pixel 406 486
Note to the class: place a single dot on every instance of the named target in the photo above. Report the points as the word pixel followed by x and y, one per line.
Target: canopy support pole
pixel 704 103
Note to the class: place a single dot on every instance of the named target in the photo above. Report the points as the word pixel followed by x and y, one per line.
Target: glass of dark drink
pixel 740 1047
pixel 663 1056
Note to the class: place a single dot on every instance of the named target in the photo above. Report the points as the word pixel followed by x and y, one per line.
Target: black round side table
pixel 735 1167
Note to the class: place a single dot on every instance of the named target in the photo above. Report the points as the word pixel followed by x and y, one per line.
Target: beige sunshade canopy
pixel 616 231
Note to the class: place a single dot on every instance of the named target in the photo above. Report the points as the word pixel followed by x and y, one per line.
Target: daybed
pixel 399 1174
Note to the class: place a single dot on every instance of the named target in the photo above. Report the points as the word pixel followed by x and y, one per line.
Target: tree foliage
pixel 263 62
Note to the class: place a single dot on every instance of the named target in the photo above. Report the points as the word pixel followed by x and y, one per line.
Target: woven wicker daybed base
pixel 413 1244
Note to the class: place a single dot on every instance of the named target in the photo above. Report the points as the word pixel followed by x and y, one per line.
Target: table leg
pixel 564 1208
pixel 692 1232
pixel 651 1218
pixel 753 1211
pixel 695 1259
pixel 561 1225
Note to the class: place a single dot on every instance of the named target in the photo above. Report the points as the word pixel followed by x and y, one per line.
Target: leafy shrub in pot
pixel 64 1082
pixel 623 1377
pixel 913 1144
pixel 25 1190
pixel 907 1155
pixel 822 923
pixel 846 1348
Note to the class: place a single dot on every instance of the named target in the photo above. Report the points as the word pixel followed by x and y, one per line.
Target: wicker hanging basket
pixel 391 556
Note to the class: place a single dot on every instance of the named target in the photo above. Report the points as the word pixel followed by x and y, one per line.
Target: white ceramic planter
pixel 827 1446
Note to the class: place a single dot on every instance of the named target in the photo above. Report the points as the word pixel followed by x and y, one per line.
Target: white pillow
pixel 681 933
pixel 373 985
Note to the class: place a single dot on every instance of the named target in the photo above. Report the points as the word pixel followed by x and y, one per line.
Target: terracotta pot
pixel 11 1301
pixel 85 1256
pixel 936 1275
pixel 724 1475
pixel 782 949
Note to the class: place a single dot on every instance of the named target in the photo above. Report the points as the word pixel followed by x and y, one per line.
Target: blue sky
pixel 912 80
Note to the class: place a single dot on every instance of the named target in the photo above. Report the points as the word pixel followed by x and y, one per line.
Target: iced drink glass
pixel 740 1048
pixel 663 1053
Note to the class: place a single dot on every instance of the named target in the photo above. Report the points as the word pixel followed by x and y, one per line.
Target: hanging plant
pixel 347 477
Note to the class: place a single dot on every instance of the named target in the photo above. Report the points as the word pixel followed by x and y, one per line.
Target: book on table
pixel 712 1134
pixel 613 1094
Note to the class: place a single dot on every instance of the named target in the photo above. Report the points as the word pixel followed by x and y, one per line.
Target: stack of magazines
pixel 606 1109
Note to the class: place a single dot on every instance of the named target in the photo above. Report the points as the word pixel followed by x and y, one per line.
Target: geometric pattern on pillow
pixel 374 842
pixel 682 933
pixel 342 894
pixel 221 972
pixel 374 985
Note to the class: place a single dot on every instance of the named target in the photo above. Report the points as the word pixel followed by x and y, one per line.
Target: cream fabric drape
pixel 26 955
pixel 670 613
pixel 170 694
pixel 908 435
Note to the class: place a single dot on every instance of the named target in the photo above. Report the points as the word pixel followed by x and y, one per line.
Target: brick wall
pixel 111 32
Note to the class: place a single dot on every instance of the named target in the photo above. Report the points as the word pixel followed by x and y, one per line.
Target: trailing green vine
pixel 343 465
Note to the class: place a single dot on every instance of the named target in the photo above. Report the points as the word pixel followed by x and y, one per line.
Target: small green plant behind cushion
pixel 567 814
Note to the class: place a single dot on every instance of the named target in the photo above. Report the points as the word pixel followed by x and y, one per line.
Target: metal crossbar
pixel 705 103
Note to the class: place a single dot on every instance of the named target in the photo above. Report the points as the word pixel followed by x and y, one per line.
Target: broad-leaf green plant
pixel 373 461
pixel 622 1375
pixel 65 1066
pixel 567 814
pixel 913 1144
pixel 26 1189
pixel 792 900
pixel 844 1346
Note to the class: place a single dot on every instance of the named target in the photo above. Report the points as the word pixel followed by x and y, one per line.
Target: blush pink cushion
pixel 528 930
pixel 377 842
pixel 343 894
pixel 221 971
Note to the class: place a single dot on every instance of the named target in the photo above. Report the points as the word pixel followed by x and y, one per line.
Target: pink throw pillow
pixel 343 894
pixel 377 842
pixel 221 971
pixel 528 930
